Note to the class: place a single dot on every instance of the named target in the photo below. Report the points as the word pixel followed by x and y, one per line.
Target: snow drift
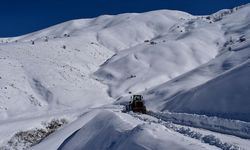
pixel 109 130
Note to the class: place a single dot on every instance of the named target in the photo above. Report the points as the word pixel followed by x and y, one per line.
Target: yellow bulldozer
pixel 136 104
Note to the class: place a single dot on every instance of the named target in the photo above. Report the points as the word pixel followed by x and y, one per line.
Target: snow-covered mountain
pixel 191 70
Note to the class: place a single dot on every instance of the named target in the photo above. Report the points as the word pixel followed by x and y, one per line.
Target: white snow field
pixel 63 87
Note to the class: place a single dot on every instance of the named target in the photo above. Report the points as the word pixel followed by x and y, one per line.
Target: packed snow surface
pixel 71 78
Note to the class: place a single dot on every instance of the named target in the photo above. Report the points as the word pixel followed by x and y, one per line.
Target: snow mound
pixel 109 130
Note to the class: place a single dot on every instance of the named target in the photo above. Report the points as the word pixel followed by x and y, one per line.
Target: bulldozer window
pixel 137 97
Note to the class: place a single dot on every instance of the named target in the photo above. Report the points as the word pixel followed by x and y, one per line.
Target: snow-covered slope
pixel 114 32
pixel 50 71
pixel 166 88
pixel 183 47
pixel 77 71
pixel 225 97
pixel 53 67
pixel 46 76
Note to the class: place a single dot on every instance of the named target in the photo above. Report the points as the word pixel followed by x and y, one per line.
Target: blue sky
pixel 24 16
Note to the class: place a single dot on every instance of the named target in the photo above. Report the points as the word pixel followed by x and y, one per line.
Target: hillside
pixel 170 93
pixel 64 87
pixel 224 89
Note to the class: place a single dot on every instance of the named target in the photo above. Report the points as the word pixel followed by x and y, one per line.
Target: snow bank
pixel 226 126
pixel 119 131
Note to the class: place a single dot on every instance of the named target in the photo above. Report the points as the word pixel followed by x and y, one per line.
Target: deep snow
pixel 80 70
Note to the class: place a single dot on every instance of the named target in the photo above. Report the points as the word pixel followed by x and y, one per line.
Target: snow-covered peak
pixel 115 32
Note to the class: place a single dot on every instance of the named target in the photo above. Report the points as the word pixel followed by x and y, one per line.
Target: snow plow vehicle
pixel 136 104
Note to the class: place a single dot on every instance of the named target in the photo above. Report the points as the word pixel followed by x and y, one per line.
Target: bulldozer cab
pixel 137 98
